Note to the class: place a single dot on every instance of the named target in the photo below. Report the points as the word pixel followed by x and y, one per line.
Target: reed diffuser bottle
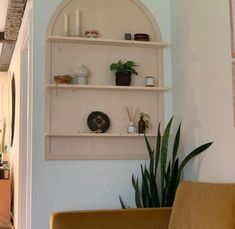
pixel 131 129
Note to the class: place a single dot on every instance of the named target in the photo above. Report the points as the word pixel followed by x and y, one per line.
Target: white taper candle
pixel 66 24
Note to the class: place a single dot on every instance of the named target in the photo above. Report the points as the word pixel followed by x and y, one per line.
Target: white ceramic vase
pixel 81 72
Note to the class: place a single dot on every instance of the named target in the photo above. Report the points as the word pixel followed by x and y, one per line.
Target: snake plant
pixel 148 193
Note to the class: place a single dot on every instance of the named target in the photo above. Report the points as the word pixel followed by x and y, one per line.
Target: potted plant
pixel 160 177
pixel 124 71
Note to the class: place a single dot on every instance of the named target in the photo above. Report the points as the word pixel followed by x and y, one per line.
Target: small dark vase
pixel 141 125
pixel 123 79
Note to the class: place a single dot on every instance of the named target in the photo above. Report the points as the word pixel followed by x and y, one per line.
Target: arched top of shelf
pixel 110 17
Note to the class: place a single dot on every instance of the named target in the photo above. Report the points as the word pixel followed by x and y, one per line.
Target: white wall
pixel 16 150
pixel 68 185
pixel 202 85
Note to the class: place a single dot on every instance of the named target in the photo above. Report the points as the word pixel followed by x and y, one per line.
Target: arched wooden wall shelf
pixel 67 136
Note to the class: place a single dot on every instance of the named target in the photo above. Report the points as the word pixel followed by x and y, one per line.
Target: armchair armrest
pixel 151 218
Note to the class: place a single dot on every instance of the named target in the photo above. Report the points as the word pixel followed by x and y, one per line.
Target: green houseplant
pixel 149 193
pixel 124 71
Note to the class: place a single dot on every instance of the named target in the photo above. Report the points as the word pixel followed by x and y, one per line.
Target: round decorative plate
pixel 98 121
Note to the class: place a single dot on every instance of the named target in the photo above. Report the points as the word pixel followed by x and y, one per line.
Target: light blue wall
pixel 68 185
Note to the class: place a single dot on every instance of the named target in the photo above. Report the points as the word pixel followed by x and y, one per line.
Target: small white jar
pixel 149 81
pixel 81 72
pixel 131 128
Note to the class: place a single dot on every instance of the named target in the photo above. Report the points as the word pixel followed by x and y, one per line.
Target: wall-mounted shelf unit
pixel 100 135
pixel 106 87
pixel 109 42
pixel 67 136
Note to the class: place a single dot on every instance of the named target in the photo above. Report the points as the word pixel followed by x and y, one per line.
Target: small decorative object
pixel 65 79
pixel 66 24
pixel 81 72
pixel 141 125
pixel 146 119
pixel 77 22
pixel 141 37
pixel 91 33
pixel 127 36
pixel 98 122
pixel 131 129
pixel 124 72
pixel 149 81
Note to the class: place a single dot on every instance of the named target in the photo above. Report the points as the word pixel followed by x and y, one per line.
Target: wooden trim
pixel 98 41
pixel 124 135
pixel 3 40
pixel 232 26
pixel 1 35
pixel 105 87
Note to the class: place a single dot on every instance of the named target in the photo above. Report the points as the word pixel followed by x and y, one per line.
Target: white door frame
pixel 25 144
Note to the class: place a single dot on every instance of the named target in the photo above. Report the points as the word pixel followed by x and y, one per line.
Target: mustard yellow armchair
pixel 196 206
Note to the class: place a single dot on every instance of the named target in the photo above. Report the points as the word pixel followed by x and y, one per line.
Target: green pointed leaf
pixel 151 154
pixel 176 144
pixel 145 189
pixel 137 195
pixel 158 148
pixel 193 154
pixel 135 184
pixel 164 150
pixel 133 181
pixel 122 203
pixel 154 192
pixel 167 174
pixel 173 184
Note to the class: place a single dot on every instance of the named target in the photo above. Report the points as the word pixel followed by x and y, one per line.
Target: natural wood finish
pixel 1 35
pixel 3 40
pixel 67 106
pixel 98 41
pixel 99 135
pixel 86 156
pixel 15 14
pixel 105 87
pixel 5 191
pixel 5 58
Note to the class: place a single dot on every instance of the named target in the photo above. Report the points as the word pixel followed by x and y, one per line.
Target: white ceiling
pixel 3 14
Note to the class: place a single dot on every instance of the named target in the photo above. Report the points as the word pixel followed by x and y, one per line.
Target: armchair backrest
pixel 203 206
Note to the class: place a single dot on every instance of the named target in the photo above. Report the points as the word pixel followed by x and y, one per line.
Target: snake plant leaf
pixel 122 203
pixel 194 153
pixel 147 173
pixel 167 179
pixel 151 154
pixel 154 190
pixel 168 174
pixel 149 194
pixel 176 145
pixel 146 198
pixel 135 184
pixel 164 150
pixel 158 148
pixel 173 184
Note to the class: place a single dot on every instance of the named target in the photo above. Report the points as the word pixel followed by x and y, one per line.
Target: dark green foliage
pixel 148 194
pixel 124 67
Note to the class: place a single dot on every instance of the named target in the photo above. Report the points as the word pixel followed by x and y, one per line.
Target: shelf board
pixel 111 42
pixel 104 87
pixel 98 135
